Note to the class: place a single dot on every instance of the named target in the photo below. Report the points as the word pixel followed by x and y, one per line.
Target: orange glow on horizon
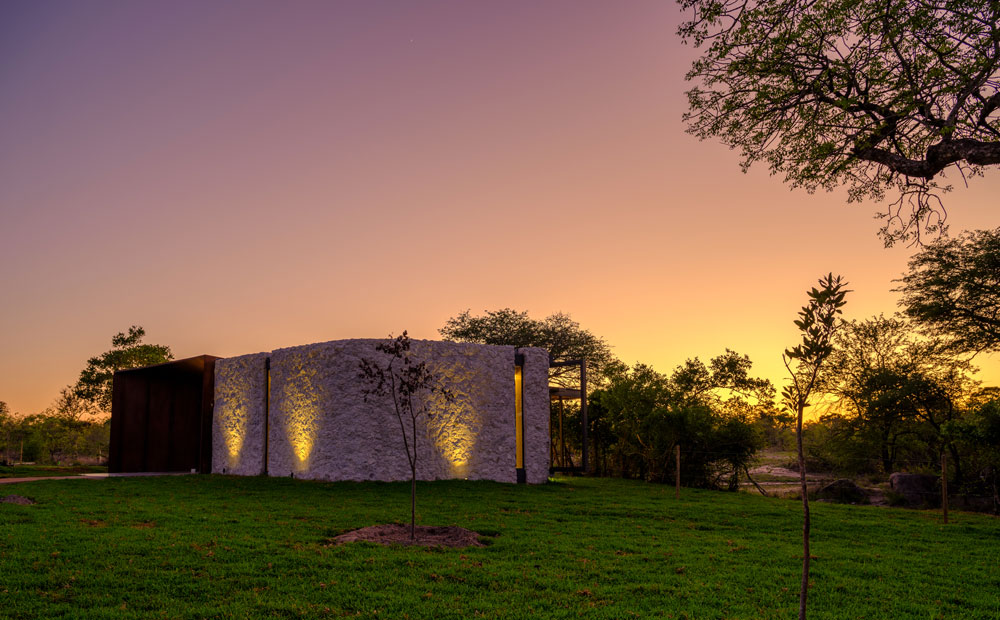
pixel 364 171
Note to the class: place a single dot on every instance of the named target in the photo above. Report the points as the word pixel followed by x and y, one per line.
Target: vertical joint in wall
pixel 519 425
pixel 267 410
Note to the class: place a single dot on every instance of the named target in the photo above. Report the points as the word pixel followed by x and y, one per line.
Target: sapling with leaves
pixel 818 321
pixel 410 384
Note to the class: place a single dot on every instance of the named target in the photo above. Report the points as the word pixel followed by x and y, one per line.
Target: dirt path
pixel 784 472
pixel 34 478
pixel 91 476
pixel 789 482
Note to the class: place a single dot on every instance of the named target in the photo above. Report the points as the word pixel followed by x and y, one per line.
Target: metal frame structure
pixel 562 393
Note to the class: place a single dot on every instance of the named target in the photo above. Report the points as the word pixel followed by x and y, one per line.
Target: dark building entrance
pixel 161 417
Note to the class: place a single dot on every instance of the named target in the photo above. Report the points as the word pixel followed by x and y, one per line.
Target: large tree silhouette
pixel 953 288
pixel 882 97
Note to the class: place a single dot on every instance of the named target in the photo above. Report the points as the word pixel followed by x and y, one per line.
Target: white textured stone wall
pixel 536 414
pixel 238 415
pixel 321 427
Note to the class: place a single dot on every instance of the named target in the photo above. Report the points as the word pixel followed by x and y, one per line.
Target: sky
pixel 243 176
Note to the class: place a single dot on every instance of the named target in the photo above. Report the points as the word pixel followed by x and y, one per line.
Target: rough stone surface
pixel 321 427
pixel 238 415
pixel 536 414
pixel 916 489
pixel 843 491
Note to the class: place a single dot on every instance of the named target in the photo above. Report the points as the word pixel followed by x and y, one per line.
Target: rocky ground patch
pixel 399 534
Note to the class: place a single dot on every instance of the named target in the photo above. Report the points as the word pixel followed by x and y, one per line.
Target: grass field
pixel 227 547
pixel 47 471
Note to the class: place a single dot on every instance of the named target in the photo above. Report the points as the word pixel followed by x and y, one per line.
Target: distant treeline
pixel 53 438
pixel 717 415
pixel 892 401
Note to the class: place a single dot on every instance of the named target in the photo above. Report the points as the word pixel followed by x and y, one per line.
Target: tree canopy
pixel 881 96
pixel 127 351
pixel 953 288
pixel 893 386
pixel 729 372
pixel 640 417
pixel 558 333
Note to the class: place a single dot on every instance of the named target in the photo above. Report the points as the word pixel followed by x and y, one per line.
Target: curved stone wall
pixel 321 426
pixel 238 415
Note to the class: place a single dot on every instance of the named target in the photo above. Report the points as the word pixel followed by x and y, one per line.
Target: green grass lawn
pixel 47 471
pixel 228 547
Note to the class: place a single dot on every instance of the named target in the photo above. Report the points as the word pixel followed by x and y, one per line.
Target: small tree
pixel 409 383
pixel 817 322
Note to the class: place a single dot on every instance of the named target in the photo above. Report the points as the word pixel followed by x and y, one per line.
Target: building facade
pixel 302 411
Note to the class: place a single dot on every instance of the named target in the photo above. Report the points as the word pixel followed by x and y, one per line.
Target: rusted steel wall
pixel 161 417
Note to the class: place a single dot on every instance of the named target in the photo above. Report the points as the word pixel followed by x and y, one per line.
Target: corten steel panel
pixel 158 413
pixel 134 418
pixel 159 417
pixel 205 422
pixel 117 406
pixel 184 434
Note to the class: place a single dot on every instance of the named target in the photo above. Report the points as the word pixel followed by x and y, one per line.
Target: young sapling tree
pixel 410 384
pixel 818 321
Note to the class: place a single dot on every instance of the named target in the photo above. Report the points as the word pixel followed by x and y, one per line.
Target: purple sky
pixel 242 176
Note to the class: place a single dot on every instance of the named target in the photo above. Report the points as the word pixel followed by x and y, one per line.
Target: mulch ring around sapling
pixel 399 534
pixel 17 499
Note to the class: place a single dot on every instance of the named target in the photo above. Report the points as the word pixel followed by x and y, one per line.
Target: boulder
pixel 916 490
pixel 843 491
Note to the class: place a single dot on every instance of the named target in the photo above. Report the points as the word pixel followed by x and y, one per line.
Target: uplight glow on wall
pixel 453 426
pixel 301 413
pixel 234 423
pixel 238 412
pixel 315 422
pixel 519 417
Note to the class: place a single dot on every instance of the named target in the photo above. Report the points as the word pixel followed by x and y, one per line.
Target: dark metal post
pixel 944 485
pixel 583 409
pixel 562 442
pixel 677 473
pixel 267 410
pixel 558 443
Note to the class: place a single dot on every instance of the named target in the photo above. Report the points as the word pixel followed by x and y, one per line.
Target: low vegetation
pixel 217 547
pixel 52 438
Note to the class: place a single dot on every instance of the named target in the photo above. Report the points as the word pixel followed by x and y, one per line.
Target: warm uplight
pixel 456 446
pixel 519 417
pixel 301 415
pixel 453 426
pixel 234 422
pixel 302 436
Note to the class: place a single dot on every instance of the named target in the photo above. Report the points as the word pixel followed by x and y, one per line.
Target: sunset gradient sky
pixel 243 176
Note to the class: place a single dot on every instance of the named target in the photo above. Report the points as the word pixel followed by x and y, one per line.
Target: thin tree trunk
pixel 759 488
pixel 804 591
pixel 956 462
pixel 413 504
pixel 886 458
pixel 413 478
